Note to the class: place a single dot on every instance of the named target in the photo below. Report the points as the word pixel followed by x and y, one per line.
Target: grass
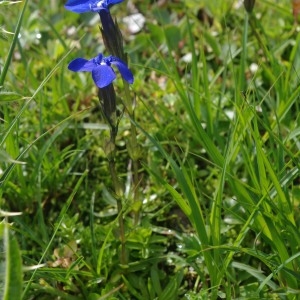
pixel 217 120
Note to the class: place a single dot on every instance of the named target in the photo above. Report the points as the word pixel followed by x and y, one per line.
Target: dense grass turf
pixel 208 162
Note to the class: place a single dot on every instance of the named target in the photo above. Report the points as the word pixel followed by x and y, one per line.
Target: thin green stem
pixel 107 98
pixel 133 151
pixel 118 188
pixel 119 192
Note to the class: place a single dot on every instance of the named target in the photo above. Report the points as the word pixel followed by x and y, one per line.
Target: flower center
pixel 99 5
pixel 98 60
pixel 108 60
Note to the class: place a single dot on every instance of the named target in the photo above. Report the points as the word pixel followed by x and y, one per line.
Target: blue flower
pixel 100 66
pixel 82 6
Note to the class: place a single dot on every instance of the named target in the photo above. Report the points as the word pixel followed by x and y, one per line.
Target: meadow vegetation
pixel 214 210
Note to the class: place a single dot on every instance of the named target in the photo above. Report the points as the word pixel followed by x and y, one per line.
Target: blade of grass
pixel 193 201
pixel 60 219
pixel 12 45
pixel 13 266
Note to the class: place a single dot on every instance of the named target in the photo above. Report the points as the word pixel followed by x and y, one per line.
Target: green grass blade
pixel 170 292
pixel 13 266
pixel 188 190
pixel 13 45
pixel 296 275
pixel 60 219
pixel 26 104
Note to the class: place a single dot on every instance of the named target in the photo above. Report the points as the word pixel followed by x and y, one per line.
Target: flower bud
pixel 249 4
pixel 107 97
pixel 112 36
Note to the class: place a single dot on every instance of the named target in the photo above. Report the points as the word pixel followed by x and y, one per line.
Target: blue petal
pixel 82 6
pixel 81 64
pixel 112 2
pixel 103 75
pixel 123 69
pixel 99 5
pixel 79 6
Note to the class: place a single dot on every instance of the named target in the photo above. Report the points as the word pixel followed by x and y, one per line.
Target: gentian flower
pixel 100 66
pixel 82 6
pixel 110 31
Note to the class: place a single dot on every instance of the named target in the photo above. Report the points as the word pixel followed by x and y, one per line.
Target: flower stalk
pixel 134 152
pixel 103 75
pixel 113 41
